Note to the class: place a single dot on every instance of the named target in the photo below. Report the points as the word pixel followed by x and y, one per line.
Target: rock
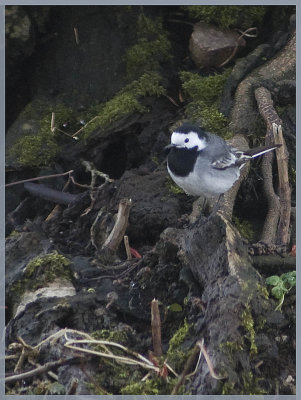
pixel 58 288
pixel 154 206
pixel 209 47
pixel 20 248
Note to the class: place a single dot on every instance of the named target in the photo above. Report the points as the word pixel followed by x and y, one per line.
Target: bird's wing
pixel 230 158
pixel 237 158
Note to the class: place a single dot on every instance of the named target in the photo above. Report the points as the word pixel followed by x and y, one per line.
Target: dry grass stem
pixel 127 247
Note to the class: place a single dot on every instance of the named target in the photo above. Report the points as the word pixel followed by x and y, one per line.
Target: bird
pixel 203 163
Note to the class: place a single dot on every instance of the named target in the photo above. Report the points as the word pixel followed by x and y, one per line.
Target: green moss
pixel 250 385
pixel 112 376
pixel 245 228
pixel 203 96
pixel 209 117
pixel 13 234
pixel 35 150
pixel 232 347
pixel 227 16
pixel 40 271
pixel 248 324
pixel 39 146
pixel 172 187
pixel 125 102
pixel 206 89
pixel 228 388
pixel 151 50
pixel 176 356
pixel 154 386
pixel 263 290
pixel 120 336
pixel 292 175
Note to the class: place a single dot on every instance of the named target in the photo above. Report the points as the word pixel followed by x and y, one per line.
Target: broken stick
pixel 116 236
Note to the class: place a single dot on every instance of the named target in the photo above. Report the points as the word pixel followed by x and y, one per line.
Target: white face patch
pixel 188 140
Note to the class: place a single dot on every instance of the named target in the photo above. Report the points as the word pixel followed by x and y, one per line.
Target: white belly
pixel 212 183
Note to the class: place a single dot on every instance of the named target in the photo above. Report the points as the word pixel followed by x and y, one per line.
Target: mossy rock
pixel 125 102
pixel 40 271
pixel 30 141
pixel 203 94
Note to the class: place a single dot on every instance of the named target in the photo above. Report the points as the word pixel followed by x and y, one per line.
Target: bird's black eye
pixel 186 140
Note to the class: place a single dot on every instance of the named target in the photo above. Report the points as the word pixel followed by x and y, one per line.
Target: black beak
pixel 168 148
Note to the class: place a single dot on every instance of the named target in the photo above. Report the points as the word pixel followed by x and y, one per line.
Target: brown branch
pixel 118 231
pixel 270 116
pixel 284 187
pixel 127 247
pixel 268 234
pixel 39 178
pixel 37 371
pixel 156 328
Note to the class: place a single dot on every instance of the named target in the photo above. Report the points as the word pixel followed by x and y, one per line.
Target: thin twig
pixel 83 127
pixel 145 363
pixel 52 124
pixel 156 328
pixel 118 231
pixel 189 363
pixel 39 178
pixel 50 373
pixel 245 33
pixel 127 247
pixel 36 371
pixel 200 343
pixel 76 35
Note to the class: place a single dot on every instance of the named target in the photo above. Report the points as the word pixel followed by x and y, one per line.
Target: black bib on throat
pixel 181 161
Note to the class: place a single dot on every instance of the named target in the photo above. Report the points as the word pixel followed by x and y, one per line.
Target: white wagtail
pixel 203 164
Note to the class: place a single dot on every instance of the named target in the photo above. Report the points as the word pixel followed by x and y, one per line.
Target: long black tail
pixel 259 151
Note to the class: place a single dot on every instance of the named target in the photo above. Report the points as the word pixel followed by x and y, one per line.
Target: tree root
pixel 276 226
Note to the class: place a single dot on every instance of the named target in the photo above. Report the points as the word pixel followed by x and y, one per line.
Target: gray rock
pixel 209 47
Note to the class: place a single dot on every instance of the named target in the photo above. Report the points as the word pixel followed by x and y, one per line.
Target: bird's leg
pixel 206 206
pixel 217 204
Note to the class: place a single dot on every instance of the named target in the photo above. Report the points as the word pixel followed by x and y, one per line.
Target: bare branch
pixel 118 231
pixel 200 343
pixel 39 178
pixel 127 247
pixel 156 328
pixel 284 187
pixel 37 371
pixel 270 116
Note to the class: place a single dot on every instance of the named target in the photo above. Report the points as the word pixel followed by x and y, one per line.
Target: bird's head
pixel 188 136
